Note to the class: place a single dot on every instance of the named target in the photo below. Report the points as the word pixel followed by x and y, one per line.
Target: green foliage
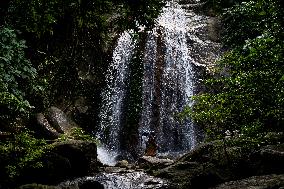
pixel 251 98
pixel 42 17
pixel 142 12
pixel 76 134
pixel 246 92
pixel 79 134
pixel 21 152
pixel 217 6
pixel 65 37
pixel 16 75
pixel 251 19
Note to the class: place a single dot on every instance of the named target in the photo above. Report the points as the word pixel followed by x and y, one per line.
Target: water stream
pixel 118 180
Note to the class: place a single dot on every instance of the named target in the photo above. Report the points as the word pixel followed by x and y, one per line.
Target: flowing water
pixel 113 98
pixel 173 50
pixel 118 180
pixel 168 83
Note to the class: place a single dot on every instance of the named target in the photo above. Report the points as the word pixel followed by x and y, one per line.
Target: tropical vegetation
pixel 43 46
pixel 244 94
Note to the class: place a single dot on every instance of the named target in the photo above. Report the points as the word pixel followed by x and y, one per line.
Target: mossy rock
pixel 55 169
pixel 65 160
pixel 215 162
pixel 82 155
pixel 255 182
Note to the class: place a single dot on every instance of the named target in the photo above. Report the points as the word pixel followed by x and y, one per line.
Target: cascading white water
pixel 121 179
pixel 177 82
pixel 113 97
pixel 168 85
pixel 150 59
pixel 176 46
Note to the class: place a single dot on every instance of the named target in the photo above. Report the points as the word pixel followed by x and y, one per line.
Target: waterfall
pixel 168 83
pixel 173 49
pixel 113 98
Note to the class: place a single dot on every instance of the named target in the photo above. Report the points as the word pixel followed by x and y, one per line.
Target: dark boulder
pixel 54 169
pixel 255 182
pixel 69 159
pixel 269 159
pixel 43 128
pixel 59 121
pixel 215 162
pixel 81 105
pixel 146 162
pixel 82 156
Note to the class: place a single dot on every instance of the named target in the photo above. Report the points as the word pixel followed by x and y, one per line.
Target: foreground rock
pixel 82 155
pixel 213 163
pixel 59 121
pixel 44 129
pixel 65 160
pixel 52 124
pixel 122 164
pixel 256 182
pixel 81 184
pixel 147 162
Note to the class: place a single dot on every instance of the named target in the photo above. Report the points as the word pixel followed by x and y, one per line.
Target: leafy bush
pixel 218 5
pixel 16 75
pixel 251 97
pixel 248 20
pixel 245 95
pixel 80 134
pixel 21 152
pixel 76 134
